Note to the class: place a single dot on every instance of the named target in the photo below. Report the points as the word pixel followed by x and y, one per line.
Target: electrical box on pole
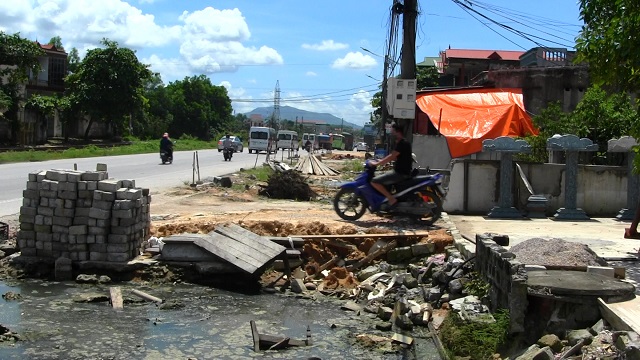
pixel 401 98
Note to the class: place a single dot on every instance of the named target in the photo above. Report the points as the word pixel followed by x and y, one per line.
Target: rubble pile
pixel 83 216
pixel 555 252
pixel 287 185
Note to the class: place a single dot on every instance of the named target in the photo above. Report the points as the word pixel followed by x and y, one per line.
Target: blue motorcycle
pixel 420 196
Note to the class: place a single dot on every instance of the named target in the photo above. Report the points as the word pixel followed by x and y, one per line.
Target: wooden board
pixel 250 239
pixel 116 297
pixel 624 316
pixel 222 248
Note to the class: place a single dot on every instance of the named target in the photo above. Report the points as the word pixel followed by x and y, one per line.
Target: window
pixel 57 70
pixel 259 135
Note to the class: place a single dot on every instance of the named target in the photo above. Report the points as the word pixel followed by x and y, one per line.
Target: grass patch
pixel 477 341
pixel 477 286
pixel 137 147
pixel 261 173
pixel 350 168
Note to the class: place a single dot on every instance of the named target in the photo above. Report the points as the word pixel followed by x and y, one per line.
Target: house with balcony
pixel 465 67
pixel 49 81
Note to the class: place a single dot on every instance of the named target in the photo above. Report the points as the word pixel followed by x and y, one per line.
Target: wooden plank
pixel 229 255
pixel 250 255
pixel 116 297
pixel 250 239
pixel 623 315
pixel 255 335
pixel 280 344
pixel 284 241
pixel 399 234
pixel 324 267
pixel 269 340
pixel 146 296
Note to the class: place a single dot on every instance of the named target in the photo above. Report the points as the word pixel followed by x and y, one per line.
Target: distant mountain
pixel 290 113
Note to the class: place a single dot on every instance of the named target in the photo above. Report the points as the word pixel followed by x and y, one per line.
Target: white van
pixel 262 139
pixel 311 138
pixel 287 139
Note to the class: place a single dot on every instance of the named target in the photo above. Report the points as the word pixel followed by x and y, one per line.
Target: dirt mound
pixel 287 185
pixel 340 278
pixel 555 252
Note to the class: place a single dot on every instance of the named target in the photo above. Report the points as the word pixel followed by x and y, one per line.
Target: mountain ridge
pixel 290 113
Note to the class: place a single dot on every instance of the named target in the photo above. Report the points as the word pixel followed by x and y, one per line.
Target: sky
pixel 326 56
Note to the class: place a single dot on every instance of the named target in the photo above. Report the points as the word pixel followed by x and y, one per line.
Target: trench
pixel 211 324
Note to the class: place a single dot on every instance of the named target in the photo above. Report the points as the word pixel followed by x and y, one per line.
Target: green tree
pixel 609 41
pixel 73 61
pixel 56 41
pixel 22 56
pixel 427 76
pixel 156 118
pixel 108 85
pixel 199 108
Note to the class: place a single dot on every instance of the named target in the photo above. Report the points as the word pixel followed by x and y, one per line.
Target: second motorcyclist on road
pixel 401 168
pixel 227 143
pixel 166 144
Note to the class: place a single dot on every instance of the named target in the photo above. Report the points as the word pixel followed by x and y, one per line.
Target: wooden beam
pixel 255 335
pixel 399 234
pixel 324 267
pixel 146 296
pixel 116 297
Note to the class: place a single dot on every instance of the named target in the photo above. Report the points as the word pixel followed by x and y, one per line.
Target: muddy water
pixel 212 324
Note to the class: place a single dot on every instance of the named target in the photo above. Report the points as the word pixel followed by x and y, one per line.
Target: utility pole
pixel 408 62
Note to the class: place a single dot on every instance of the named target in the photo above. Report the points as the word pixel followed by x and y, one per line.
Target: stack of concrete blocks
pixel 83 216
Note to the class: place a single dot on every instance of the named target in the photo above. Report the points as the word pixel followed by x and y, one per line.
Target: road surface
pixel 145 169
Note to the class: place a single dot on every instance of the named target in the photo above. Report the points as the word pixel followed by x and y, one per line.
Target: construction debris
pixel 273 342
pixel 313 166
pixel 287 185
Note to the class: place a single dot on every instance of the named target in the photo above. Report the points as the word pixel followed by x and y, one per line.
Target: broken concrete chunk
pixel 385 326
pixel 368 272
pixel 90 298
pixel 384 313
pixel 297 285
pixel 399 255
pixel 86 279
pixel 574 336
pixel 404 322
pixel 404 339
pixel 551 341
pixel 351 305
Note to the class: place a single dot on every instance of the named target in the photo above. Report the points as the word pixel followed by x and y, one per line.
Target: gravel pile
pixel 555 252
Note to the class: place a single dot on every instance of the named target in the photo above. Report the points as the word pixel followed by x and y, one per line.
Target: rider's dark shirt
pixel 403 164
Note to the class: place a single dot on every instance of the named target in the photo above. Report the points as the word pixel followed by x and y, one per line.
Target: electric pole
pixel 408 62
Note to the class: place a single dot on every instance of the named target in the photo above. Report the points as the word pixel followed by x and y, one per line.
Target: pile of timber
pixel 278 166
pixel 312 165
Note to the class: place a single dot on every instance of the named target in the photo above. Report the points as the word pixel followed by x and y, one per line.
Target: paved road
pixel 145 169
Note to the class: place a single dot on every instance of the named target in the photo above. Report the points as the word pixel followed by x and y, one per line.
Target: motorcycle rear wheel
pixel 349 205
pixel 436 202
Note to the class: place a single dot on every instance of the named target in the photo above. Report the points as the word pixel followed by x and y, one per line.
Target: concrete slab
pixel 579 284
pixel 603 235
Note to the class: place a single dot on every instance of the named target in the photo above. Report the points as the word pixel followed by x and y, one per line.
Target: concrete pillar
pixel 626 144
pixel 506 146
pixel 571 145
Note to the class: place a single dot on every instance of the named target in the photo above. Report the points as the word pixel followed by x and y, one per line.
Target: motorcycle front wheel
pixel 349 205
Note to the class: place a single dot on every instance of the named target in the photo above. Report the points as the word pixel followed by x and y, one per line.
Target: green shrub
pixel 479 341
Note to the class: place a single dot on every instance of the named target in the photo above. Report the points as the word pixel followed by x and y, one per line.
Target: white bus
pixel 262 139
pixel 287 139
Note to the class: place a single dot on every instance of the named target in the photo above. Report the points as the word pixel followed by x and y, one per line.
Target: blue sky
pixel 312 48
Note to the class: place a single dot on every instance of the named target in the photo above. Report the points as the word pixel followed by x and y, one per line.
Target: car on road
pixel 361 146
pixel 236 143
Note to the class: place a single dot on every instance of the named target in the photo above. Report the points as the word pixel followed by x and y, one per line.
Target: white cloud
pixel 355 60
pixel 311 73
pixel 325 45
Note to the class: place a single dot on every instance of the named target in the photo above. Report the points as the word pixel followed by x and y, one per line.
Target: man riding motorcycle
pixel 401 168
pixel 166 145
pixel 227 147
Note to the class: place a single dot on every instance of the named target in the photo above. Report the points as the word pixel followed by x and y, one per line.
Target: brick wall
pixel 83 216
pixel 507 277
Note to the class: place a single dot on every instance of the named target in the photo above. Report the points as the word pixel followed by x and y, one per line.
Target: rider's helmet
pixel 165 135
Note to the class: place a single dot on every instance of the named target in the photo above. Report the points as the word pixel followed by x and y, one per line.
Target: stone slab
pixel 578 283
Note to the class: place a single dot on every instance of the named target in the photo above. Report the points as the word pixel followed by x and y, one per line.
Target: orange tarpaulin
pixel 470 116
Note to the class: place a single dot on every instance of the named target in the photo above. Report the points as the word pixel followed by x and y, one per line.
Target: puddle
pixel 211 324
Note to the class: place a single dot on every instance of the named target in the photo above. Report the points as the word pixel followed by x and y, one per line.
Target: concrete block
pixel 93 222
pixel 50 185
pixel 91 239
pixel 99 213
pixel 27 219
pixel 133 194
pixel 122 214
pixel 24 210
pixel 423 249
pixel 97 256
pixel 58 229
pixel 81 220
pixel 69 204
pixel 602 270
pixel 85 194
pixel 118 239
pixel 123 205
pixel 96 230
pixel 104 196
pixel 56 175
pixel 71 195
pixel 83 256
pixel 93 176
pixel 42 229
pixel 26 235
pixel 101 167
pixel 39 243
pixel 122 230
pixel 399 255
pixel 28 252
pixel 82 211
pixel 41 176
pixel 127 221
pixel 62 220
pixel 98 248
pixel 33 185
pixel 72 239
pixel 44 237
pixel 30 194
pixel 33 176
pixel 101 204
pixel 74 177
pixel 128 183
pixel 77 247
pixel 39 219
pixel 118 257
pixel 26 226
pixel 62 212
pixel 103 223
pixel 384 313
pixel 101 239
pixel 78 230
pixel 109 185
pixel 121 248
pixel 44 202
pixel 49 194
pixel 297 285
pixel 82 185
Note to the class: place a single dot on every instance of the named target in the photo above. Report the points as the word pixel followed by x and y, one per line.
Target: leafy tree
pixel 427 76
pixel 73 60
pixel 609 41
pixel 108 85
pixel 155 118
pixel 22 56
pixel 56 41
pixel 199 108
